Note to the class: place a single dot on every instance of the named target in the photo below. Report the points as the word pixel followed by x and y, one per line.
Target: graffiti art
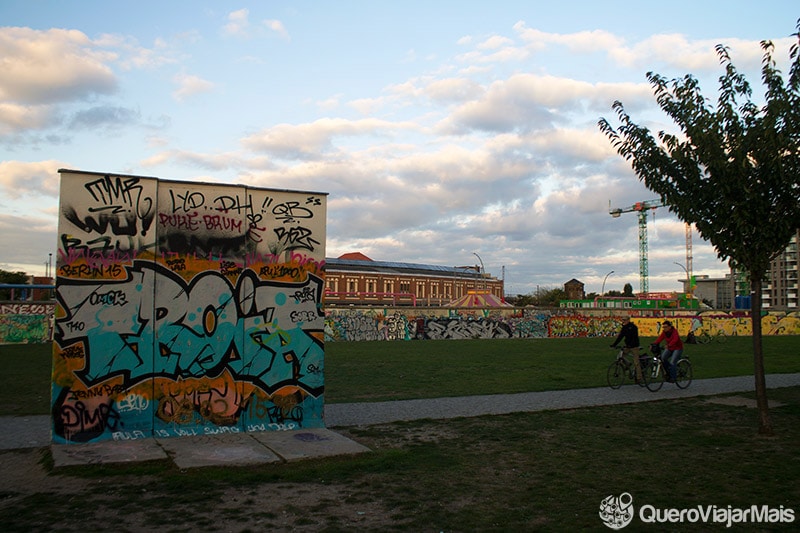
pixel 186 309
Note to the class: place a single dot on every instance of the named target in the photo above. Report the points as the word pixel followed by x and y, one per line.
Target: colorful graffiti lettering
pixel 406 324
pixel 200 328
pixel 18 329
pixel 186 309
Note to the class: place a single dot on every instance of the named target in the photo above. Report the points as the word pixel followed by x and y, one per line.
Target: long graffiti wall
pixel 408 323
pixel 186 309
pixel 23 323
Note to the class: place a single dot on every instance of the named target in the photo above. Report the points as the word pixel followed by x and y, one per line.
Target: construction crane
pixel 641 208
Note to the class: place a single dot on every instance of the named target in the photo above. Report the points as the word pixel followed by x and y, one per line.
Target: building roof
pixel 355 256
pixel 478 299
pixel 391 267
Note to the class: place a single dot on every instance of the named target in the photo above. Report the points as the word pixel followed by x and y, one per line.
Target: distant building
pixel 355 279
pixel 39 293
pixel 574 290
pixel 781 286
pixel 717 292
pixel 779 291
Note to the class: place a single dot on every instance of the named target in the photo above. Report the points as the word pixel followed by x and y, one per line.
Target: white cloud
pixel 580 42
pixel 20 118
pixel 495 42
pixel 453 90
pixel 189 85
pixel 328 103
pixel 238 23
pixel 276 26
pixel 316 138
pixel 493 148
pixel 42 67
pixel 22 179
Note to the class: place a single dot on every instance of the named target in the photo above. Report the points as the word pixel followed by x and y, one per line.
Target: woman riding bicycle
pixel 674 348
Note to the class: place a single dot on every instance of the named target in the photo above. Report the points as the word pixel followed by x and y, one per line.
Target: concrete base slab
pixel 129 451
pixel 230 449
pixel 217 450
pixel 308 443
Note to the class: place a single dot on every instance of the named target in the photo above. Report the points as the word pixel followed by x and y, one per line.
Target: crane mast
pixel 641 208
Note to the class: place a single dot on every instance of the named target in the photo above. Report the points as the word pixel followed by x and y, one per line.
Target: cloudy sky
pixel 440 129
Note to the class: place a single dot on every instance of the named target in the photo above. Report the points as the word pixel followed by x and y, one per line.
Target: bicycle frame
pixel 656 371
pixel 622 368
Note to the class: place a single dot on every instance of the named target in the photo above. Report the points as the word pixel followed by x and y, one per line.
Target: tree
pixel 734 171
pixel 551 297
pixel 14 278
pixel 627 290
pixel 521 300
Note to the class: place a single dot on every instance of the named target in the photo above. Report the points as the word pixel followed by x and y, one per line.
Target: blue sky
pixel 440 129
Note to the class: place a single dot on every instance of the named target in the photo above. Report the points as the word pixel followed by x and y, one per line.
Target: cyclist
pixel 673 350
pixel 630 333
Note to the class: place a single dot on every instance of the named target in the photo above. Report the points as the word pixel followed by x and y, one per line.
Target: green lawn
pixel 543 471
pixel 377 371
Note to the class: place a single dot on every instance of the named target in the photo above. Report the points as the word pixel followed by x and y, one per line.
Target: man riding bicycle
pixel 630 333
pixel 672 353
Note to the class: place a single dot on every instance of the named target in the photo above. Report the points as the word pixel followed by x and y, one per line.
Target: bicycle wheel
pixel 655 377
pixel 722 336
pixel 616 374
pixel 703 338
pixel 684 376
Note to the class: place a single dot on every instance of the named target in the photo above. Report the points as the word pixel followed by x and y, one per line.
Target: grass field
pixel 545 471
pixel 380 371
pixel 376 371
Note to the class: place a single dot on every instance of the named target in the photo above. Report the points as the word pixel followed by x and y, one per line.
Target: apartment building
pixel 780 290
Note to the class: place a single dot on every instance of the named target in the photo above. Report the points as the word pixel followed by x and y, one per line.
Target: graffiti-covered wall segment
pixel 186 309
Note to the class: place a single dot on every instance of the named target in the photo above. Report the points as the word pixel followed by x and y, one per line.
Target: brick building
pixel 574 290
pixel 355 279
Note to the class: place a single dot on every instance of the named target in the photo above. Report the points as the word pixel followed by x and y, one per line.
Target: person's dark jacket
pixel 630 333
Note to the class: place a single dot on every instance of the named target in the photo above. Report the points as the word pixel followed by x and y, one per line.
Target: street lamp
pixel 603 289
pixel 687 287
pixel 483 270
pixel 455 277
pixel 688 281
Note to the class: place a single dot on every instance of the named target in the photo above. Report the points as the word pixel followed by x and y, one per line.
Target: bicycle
pixel 704 337
pixel 655 371
pixel 621 370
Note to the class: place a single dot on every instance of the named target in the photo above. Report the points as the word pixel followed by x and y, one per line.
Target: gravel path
pixel 17 432
pixel 364 414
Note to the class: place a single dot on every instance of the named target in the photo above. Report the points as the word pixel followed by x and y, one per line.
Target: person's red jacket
pixel 672 337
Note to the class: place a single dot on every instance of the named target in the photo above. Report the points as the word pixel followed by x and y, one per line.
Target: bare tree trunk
pixel 764 421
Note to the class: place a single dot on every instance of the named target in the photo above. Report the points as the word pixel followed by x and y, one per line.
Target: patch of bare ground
pixel 275 506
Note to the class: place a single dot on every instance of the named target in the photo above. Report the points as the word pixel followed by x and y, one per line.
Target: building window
pixel 333 284
pixel 352 286
pixel 371 286
pixel 405 286
pixel 388 287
